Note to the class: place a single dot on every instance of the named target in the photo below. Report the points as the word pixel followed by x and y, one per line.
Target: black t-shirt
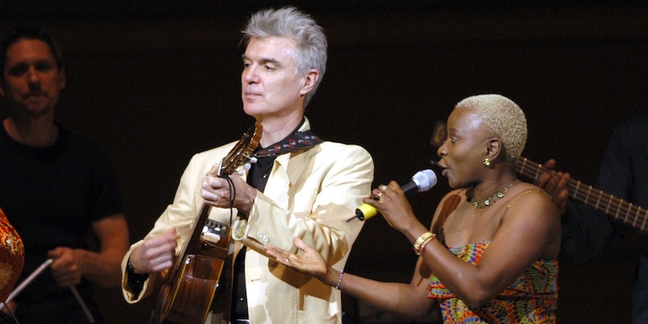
pixel 51 196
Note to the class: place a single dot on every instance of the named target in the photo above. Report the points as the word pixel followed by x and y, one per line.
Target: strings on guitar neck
pixel 618 208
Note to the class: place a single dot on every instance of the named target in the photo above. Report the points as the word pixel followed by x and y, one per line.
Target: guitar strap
pixel 298 141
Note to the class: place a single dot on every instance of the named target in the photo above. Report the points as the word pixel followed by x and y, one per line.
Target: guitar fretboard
pixel 618 208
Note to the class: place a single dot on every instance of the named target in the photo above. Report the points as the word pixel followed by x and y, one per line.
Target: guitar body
pixel 200 279
pixel 193 292
pixel 190 290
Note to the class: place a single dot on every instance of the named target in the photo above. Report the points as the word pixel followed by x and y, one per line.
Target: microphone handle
pixel 410 187
pixel 366 211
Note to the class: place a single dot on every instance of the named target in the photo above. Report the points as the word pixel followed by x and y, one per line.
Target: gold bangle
pixel 425 237
pixel 422 248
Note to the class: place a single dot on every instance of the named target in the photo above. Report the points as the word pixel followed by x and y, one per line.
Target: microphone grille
pixel 425 179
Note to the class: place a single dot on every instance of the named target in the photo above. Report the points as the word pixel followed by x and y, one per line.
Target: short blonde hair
pixel 504 118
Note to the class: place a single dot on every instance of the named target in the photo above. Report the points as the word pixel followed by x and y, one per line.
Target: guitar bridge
pixel 213 232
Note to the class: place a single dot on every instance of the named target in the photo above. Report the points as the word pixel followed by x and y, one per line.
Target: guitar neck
pixel 618 208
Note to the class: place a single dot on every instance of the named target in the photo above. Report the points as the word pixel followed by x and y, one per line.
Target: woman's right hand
pixel 391 202
pixel 310 262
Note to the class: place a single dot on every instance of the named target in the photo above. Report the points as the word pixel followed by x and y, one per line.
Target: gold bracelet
pixel 422 249
pixel 424 238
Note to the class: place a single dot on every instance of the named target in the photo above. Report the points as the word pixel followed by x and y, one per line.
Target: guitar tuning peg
pixel 248 165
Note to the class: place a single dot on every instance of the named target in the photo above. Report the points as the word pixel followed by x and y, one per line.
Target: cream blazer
pixel 309 195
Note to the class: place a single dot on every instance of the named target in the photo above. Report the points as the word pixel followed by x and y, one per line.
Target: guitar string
pixel 622 209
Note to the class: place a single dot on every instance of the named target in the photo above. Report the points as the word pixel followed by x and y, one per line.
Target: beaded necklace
pixel 492 199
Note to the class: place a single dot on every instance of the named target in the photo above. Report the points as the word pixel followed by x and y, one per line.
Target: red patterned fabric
pixel 12 256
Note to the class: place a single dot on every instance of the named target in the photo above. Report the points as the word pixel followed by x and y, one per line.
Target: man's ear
pixel 309 81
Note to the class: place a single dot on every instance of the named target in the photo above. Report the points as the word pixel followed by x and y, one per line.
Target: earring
pixel 487 163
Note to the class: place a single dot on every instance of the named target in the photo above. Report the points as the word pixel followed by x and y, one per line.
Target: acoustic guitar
pixel 200 277
pixel 618 208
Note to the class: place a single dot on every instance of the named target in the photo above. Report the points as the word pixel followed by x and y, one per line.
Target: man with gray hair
pixel 299 186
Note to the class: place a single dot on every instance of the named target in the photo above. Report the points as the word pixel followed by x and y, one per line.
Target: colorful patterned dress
pixel 532 298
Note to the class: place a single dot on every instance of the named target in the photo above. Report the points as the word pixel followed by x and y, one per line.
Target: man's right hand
pixel 555 184
pixel 155 254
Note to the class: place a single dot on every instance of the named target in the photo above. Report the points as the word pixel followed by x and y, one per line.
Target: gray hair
pixel 291 23
pixel 504 118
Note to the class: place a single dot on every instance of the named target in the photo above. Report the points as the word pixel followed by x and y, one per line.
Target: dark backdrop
pixel 156 82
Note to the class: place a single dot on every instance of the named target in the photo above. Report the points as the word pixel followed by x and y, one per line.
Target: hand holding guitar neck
pixel 631 214
pixel 555 184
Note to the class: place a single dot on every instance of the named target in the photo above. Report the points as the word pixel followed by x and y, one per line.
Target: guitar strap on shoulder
pixel 298 141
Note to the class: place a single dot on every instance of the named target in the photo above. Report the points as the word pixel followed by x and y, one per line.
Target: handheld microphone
pixel 421 181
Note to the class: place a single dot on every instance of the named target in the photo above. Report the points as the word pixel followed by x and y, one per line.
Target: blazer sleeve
pixel 316 201
pixel 181 214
